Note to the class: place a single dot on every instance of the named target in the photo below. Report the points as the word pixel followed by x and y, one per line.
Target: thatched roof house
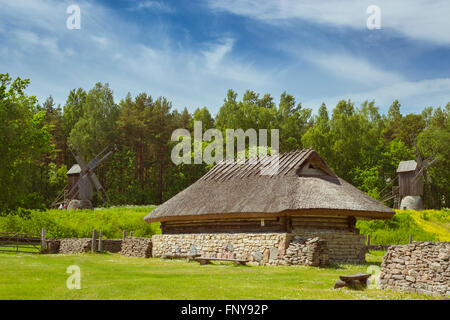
pixel 257 195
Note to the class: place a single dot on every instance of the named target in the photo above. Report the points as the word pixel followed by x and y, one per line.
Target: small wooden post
pixel 410 239
pixel 43 240
pixel 368 239
pixel 100 240
pixel 124 234
pixel 94 236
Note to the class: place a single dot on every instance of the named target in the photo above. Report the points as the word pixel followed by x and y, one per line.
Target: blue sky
pixel 194 51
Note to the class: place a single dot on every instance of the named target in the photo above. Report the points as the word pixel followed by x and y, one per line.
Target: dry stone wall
pixel 258 248
pixel 422 267
pixel 74 245
pixel 343 245
pixel 310 252
pixel 136 247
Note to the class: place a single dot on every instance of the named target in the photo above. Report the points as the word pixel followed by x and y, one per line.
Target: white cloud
pixel 420 19
pixel 191 77
pixel 215 54
pixel 102 41
pixel 352 68
pixel 30 40
pixel 153 6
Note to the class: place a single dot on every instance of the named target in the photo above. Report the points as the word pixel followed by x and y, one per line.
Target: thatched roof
pixel 75 169
pixel 301 184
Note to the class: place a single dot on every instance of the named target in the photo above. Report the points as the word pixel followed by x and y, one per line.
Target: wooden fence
pixel 22 242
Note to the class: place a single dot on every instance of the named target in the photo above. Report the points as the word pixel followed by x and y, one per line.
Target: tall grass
pixel 80 223
pixel 428 225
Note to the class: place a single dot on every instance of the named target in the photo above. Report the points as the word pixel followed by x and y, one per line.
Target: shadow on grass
pixel 332 265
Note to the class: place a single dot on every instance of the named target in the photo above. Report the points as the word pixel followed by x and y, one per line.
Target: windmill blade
pixel 419 155
pixel 428 163
pixel 94 163
pixel 425 176
pixel 98 186
pixel 78 157
pixel 419 174
pixel 422 170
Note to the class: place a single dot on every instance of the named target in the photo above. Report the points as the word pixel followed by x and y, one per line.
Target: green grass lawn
pixel 110 276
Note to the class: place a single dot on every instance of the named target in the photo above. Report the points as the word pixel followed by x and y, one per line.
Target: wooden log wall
pixel 277 224
pixel 221 225
pixel 335 222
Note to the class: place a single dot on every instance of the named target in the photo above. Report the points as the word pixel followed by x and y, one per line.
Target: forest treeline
pixel 359 143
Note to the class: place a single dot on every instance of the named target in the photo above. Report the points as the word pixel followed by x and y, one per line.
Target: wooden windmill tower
pixel 411 175
pixel 407 195
pixel 81 179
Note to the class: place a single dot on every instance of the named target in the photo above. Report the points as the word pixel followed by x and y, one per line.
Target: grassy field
pixel 110 276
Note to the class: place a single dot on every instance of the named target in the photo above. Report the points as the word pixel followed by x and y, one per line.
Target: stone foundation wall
pixel 343 245
pixel 422 267
pixel 136 247
pixel 258 248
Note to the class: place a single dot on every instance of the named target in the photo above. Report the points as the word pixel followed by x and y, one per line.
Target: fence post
pixel 94 236
pixel 410 239
pixel 100 240
pixel 43 241
pixel 124 234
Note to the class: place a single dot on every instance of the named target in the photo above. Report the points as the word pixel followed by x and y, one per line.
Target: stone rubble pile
pixel 309 252
pixel 74 245
pixel 136 247
pixel 422 267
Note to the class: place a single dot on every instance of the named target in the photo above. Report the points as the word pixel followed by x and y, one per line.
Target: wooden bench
pixel 354 281
pixel 205 260
pixel 189 257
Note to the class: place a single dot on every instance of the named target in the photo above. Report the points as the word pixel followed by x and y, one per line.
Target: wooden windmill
pixel 81 179
pixel 410 175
